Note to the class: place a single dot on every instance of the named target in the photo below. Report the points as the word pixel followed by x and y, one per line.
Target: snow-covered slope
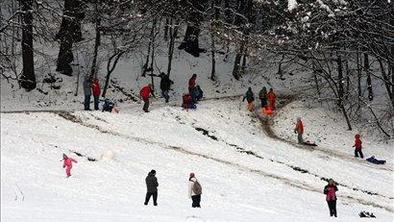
pixel 246 176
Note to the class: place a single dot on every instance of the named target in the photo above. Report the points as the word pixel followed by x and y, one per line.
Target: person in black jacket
pixel 151 186
pixel 165 85
pixel 330 191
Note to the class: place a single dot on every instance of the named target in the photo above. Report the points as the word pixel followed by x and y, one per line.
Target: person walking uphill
pixel 299 129
pixel 68 164
pixel 96 93
pixel 249 96
pixel 151 186
pixel 263 97
pixel 145 93
pixel 329 191
pixel 192 83
pixel 195 191
pixel 271 96
pixel 165 85
pixel 87 90
pixel 358 146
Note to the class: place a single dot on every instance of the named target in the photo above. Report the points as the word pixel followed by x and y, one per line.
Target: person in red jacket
pixel 271 96
pixel 358 146
pixel 67 163
pixel 299 129
pixel 192 83
pixel 145 93
pixel 331 197
pixel 96 93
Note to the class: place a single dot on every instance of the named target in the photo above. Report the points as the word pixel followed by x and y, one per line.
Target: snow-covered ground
pixel 246 175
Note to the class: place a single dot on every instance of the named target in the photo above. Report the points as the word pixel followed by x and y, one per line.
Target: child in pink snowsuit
pixel 68 164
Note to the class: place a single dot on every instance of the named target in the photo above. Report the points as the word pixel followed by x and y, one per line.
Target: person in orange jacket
pixel 358 146
pixel 271 98
pixel 299 129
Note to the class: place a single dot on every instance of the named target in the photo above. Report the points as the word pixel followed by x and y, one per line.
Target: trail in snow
pixel 267 126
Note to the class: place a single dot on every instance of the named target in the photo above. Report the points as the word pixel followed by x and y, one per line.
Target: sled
pixel 309 143
pixel 267 111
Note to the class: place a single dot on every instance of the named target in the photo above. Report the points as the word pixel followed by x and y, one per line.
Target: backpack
pixel 197 189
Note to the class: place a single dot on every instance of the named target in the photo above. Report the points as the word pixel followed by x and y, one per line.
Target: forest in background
pixel 347 45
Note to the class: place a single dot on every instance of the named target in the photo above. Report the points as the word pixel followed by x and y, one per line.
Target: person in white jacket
pixel 195 190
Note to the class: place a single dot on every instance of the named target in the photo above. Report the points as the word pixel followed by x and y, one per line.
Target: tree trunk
pixel 387 82
pixel 359 76
pixel 28 78
pixel 153 52
pixel 213 60
pixel 168 23
pixel 340 81
pixel 347 79
pixel 173 33
pixel 190 41
pixel 369 80
pixel 70 32
pixel 316 79
pixel 94 69
pixel 236 69
pixel 110 69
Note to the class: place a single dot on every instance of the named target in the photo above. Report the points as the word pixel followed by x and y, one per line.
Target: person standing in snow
pixel 96 93
pixel 187 102
pixel 145 93
pixel 329 191
pixel 249 96
pixel 299 129
pixel 263 97
pixel 358 146
pixel 68 164
pixel 195 191
pixel 87 90
pixel 165 85
pixel 192 83
pixel 151 186
pixel 271 96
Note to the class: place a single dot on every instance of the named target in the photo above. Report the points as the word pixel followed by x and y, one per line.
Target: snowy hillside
pixel 246 175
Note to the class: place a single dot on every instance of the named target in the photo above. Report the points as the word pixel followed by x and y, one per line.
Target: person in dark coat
pixel 151 186
pixel 263 97
pixel 165 85
pixel 249 96
pixel 331 197
pixel 87 90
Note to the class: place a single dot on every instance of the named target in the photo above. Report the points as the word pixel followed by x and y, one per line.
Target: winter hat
pixel 153 172
pixel 191 175
pixel 357 136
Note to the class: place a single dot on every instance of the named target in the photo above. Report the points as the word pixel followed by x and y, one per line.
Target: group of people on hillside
pixel 91 86
pixel 195 189
pixel 189 100
pixel 267 100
